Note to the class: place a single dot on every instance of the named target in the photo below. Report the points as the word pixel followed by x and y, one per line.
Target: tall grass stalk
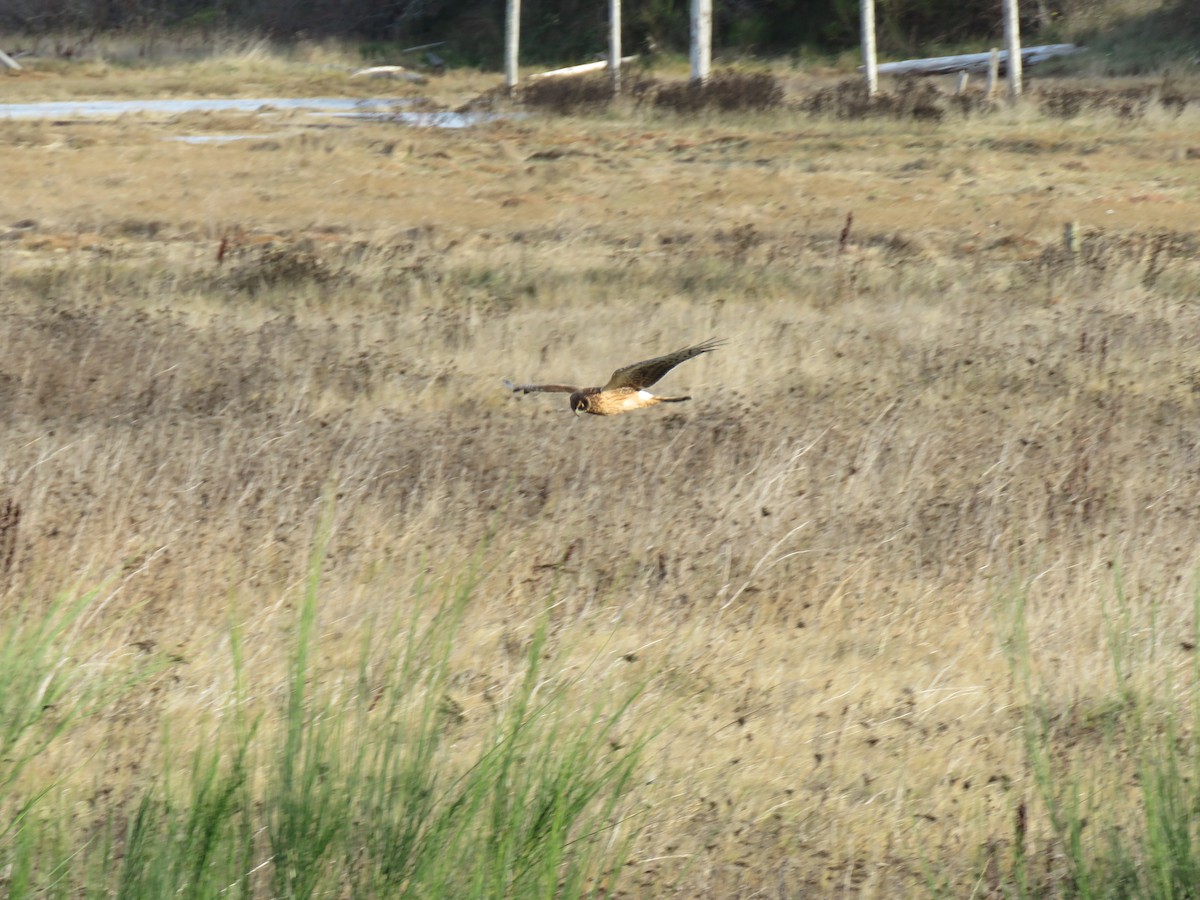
pixel 1146 739
pixel 42 691
pixel 196 839
pixel 364 782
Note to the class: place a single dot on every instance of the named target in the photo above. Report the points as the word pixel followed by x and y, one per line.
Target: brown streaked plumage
pixel 626 389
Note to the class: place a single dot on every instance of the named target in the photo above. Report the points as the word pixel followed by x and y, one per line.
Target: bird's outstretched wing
pixel 542 388
pixel 643 374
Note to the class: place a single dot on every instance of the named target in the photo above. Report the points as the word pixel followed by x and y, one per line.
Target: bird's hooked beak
pixel 576 411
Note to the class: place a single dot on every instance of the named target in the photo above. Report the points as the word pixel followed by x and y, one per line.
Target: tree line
pixel 552 30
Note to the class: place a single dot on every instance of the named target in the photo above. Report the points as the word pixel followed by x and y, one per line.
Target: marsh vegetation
pixel 899 602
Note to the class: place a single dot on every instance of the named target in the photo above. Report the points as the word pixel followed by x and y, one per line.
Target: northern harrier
pixel 626 389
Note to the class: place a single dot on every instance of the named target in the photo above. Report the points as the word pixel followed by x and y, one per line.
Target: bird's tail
pixel 673 399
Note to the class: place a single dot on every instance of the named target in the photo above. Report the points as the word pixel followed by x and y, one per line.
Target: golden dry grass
pixel 811 564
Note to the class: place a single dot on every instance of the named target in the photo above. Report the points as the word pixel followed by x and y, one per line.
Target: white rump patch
pixel 645 395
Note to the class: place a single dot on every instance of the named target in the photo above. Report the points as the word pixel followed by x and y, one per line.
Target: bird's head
pixel 579 402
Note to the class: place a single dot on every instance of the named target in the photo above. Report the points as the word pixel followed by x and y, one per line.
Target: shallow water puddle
pixel 216 138
pixel 423 119
pixel 383 110
pixel 90 108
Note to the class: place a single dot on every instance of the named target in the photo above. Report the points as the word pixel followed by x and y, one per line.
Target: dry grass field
pixel 933 435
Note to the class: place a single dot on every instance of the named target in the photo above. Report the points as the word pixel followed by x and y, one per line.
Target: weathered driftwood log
pixel 973 62
pixel 390 72
pixel 581 69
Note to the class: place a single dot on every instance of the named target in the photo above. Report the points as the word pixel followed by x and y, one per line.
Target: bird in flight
pixel 626 389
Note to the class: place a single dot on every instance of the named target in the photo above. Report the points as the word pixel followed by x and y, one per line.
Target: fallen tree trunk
pixel 973 62
pixel 580 69
pixel 390 72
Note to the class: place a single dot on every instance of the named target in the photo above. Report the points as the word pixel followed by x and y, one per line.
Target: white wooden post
pixel 868 46
pixel 1012 40
pixel 512 41
pixel 614 44
pixel 1071 238
pixel 993 72
pixel 701 39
